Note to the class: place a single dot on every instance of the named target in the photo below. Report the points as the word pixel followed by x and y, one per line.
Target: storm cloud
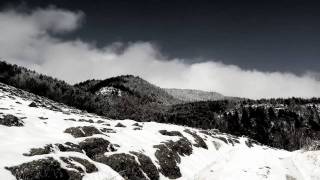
pixel 32 39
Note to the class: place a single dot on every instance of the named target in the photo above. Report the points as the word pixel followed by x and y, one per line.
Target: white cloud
pixel 28 39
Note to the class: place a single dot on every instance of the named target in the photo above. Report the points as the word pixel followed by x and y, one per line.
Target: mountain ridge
pixel 283 123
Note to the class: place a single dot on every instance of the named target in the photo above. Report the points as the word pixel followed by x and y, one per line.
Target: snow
pixel 238 162
pixel 110 91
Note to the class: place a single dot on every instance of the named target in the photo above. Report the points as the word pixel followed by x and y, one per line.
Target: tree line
pixel 287 123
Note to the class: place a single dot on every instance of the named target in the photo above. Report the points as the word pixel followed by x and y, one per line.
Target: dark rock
pixel 199 141
pixel 168 160
pixel 137 124
pixel 116 145
pixel 55 108
pixel 90 121
pixel 230 141
pixel 108 130
pixel 100 121
pixel 249 143
pixel 89 167
pixel 43 118
pixel 170 133
pixel 96 146
pixel 137 128
pixel 168 156
pixel 222 139
pixel 85 120
pixel 42 169
pixel 33 104
pixel 40 151
pixel 70 119
pixel 236 141
pixel 125 165
pixel 83 131
pixel 68 146
pixel 147 166
pixel 11 120
pixel 182 146
pixel 120 125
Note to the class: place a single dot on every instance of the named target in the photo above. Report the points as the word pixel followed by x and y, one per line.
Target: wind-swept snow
pixel 214 155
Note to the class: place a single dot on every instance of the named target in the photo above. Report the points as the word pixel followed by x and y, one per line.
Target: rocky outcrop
pixel 120 125
pixel 67 147
pixel 168 155
pixel 147 166
pixel 94 147
pixel 48 168
pixel 88 167
pixel 170 133
pixel 11 120
pixel 199 141
pixel 83 131
pixel 125 165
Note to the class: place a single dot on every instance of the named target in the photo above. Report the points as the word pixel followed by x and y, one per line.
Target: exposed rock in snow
pixel 66 143
pixel 75 163
pixel 199 141
pixel 10 120
pixel 170 133
pixel 94 147
pixel 120 125
pixel 41 169
pixel 125 164
pixel 83 131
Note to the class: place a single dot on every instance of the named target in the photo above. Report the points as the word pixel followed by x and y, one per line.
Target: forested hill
pixel 191 95
pixel 132 86
pixel 284 123
pixel 135 102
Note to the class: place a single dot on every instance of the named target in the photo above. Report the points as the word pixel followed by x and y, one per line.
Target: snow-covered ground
pixel 214 155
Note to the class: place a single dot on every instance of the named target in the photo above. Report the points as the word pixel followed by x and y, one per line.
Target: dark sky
pixel 281 35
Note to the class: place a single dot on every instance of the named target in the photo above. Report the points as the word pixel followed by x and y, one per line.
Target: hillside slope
pixel 191 95
pixel 44 139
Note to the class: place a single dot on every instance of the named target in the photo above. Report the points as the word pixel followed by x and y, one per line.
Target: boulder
pixel 125 165
pixel 95 147
pixel 11 120
pixel 83 131
pixel 41 169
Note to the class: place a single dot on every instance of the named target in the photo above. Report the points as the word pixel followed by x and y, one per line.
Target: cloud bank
pixel 30 39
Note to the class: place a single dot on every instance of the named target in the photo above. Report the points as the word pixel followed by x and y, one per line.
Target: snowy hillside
pixel 41 139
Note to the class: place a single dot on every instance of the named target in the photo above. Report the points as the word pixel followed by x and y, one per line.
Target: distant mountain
pixel 43 139
pixel 191 95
